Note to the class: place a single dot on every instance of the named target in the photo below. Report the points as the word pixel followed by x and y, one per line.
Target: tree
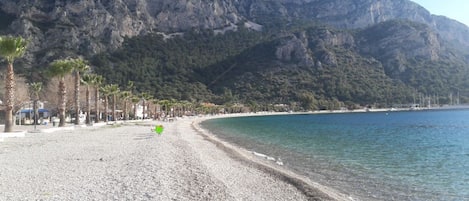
pixel 60 68
pixel 149 111
pixel 145 96
pixel 106 90
pixel 114 91
pixel 307 100
pixel 79 66
pixel 126 95
pixel 88 80
pixel 186 107
pixel 172 107
pixel 178 108
pixel 96 83
pixel 156 103
pixel 36 87
pixel 135 99
pixel 165 104
pixel 130 86
pixel 10 48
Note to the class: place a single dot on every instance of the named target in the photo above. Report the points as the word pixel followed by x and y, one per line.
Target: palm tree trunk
pixel 148 110
pixel 135 111
pixel 105 109
pixel 167 111
pixel 62 102
pixel 88 107
pixel 143 110
pixel 9 98
pixel 96 104
pixel 77 98
pixel 114 107
pixel 125 110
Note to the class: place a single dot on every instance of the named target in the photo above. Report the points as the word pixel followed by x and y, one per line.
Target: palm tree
pixel 36 87
pixel 130 86
pixel 165 104
pixel 135 99
pixel 88 80
pixel 145 96
pixel 125 95
pixel 186 105
pixel 172 107
pixel 114 91
pixel 156 103
pixel 175 107
pixel 61 68
pixel 96 83
pixel 10 48
pixel 79 66
pixel 149 104
pixel 106 90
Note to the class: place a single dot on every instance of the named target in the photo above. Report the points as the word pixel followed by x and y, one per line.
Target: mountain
pixel 352 14
pixel 314 52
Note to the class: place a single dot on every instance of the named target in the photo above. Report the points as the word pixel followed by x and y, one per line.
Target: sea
pixel 412 155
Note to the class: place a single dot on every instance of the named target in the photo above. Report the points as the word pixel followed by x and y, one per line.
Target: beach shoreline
pixel 128 161
pixel 313 190
pixel 363 187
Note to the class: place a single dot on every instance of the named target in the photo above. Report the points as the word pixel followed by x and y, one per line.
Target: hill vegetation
pixel 304 54
pixel 244 66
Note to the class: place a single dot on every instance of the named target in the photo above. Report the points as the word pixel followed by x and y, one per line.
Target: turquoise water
pixel 371 156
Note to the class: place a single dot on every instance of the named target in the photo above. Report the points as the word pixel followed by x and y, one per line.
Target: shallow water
pixel 371 156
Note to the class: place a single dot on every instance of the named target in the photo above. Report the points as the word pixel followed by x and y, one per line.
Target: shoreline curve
pixel 312 190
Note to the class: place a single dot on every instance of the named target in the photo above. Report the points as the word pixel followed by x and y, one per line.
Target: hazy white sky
pixel 454 9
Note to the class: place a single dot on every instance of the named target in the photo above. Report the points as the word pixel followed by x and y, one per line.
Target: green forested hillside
pixel 173 68
pixel 305 54
pixel 242 66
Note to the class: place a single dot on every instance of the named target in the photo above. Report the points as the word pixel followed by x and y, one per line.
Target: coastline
pixel 395 190
pixel 127 161
pixel 313 190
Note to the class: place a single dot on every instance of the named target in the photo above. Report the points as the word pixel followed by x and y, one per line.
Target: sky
pixel 454 9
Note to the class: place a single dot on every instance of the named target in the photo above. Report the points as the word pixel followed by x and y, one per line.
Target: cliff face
pixel 394 43
pixel 352 14
pixel 57 29
pixel 90 26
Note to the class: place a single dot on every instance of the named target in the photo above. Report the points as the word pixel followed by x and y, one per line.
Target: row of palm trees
pixel 61 68
pixel 111 92
pixel 14 47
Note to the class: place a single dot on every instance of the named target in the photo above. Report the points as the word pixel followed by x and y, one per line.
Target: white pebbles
pixel 129 162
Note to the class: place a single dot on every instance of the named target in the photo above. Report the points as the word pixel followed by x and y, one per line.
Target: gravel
pixel 130 162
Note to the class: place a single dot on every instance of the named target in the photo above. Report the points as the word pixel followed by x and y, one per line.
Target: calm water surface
pixel 372 156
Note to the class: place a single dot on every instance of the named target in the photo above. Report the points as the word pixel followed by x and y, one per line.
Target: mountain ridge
pixel 395 38
pixel 79 20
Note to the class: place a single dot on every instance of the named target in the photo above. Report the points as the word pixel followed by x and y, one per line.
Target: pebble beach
pixel 129 161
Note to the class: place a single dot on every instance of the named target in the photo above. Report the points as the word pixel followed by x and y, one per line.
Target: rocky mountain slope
pixel 405 41
pixel 91 26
